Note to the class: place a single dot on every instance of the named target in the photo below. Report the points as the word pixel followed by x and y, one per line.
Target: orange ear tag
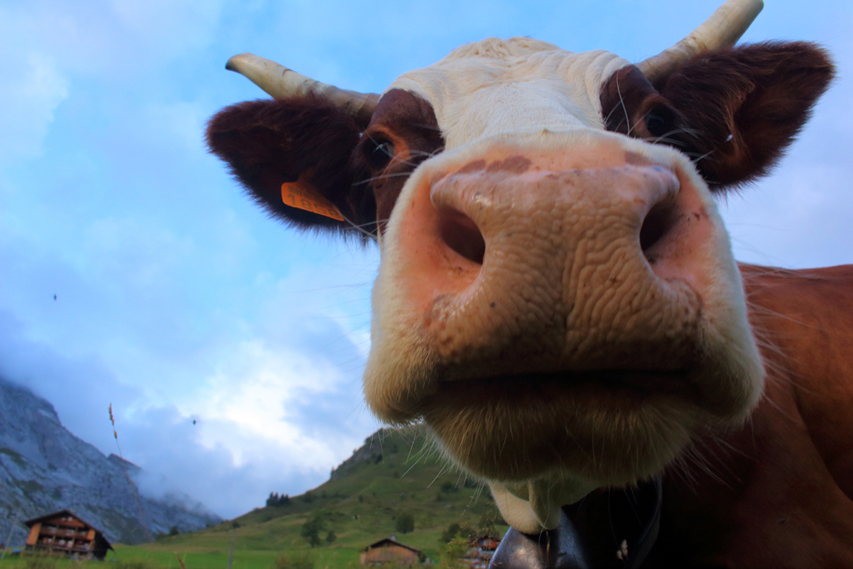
pixel 294 196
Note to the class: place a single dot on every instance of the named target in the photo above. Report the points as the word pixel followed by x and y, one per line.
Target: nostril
pixel 460 233
pixel 658 223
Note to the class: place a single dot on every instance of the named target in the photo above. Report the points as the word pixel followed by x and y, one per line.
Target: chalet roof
pixel 61 513
pixel 388 540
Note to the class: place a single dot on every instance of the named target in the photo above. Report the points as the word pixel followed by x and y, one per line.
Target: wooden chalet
pixel 389 550
pixel 65 533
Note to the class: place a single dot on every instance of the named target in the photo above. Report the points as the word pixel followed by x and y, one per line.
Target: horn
pixel 280 82
pixel 722 29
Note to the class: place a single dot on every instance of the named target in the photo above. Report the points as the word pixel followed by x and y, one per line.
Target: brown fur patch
pixel 474 166
pixel 514 164
pixel 636 159
pixel 747 104
pixel 732 111
pixel 270 142
pixel 409 123
pixel 624 98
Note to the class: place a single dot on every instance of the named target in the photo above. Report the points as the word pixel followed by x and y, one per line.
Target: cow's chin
pixel 608 428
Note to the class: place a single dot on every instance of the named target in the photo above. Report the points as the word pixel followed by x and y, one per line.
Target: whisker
pixel 624 108
pixel 382 177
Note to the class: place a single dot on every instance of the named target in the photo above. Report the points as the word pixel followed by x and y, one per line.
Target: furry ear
pixel 742 107
pixel 303 142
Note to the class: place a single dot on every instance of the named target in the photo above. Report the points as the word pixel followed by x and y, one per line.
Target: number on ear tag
pixel 294 196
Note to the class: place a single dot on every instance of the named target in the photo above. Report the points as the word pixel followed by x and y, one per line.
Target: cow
pixel 557 300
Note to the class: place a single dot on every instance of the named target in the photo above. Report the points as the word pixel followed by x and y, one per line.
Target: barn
pixel 389 550
pixel 65 533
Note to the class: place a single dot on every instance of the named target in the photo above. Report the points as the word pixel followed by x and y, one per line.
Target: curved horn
pixel 279 82
pixel 722 29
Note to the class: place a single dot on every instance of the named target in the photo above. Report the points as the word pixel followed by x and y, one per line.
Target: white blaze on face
pixel 512 86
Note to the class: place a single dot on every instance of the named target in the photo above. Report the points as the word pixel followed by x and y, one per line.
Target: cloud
pixel 202 472
pixel 169 26
pixel 259 390
pixel 31 90
pixel 179 125
pixel 142 254
pixel 164 441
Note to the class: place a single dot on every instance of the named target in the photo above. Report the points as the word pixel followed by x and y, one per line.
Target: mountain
pixel 45 468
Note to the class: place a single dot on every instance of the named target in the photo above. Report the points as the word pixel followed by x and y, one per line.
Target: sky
pixel 230 347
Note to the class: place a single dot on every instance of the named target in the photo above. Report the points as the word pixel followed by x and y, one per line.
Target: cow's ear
pixel 293 157
pixel 742 107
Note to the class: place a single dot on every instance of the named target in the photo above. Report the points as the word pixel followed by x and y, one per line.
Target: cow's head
pixel 557 297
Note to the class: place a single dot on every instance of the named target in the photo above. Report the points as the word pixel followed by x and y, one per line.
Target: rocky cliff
pixel 45 468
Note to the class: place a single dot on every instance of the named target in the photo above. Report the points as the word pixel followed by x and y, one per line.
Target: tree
pixel 331 537
pixel 454 530
pixel 405 523
pixel 311 531
pixel 488 521
pixel 451 557
pixel 174 530
pixel 451 532
pixel 276 500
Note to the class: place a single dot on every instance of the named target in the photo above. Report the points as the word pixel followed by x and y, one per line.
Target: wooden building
pixel 389 550
pixel 66 534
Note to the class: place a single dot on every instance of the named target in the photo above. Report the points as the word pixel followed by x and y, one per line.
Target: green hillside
pixel 397 473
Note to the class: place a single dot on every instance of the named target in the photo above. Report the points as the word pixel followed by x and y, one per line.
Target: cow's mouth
pixel 613 382
pixel 612 426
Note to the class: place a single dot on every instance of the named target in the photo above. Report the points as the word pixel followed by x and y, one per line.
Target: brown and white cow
pixel 557 299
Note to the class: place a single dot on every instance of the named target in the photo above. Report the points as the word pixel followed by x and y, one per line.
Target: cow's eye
pixel 659 121
pixel 380 153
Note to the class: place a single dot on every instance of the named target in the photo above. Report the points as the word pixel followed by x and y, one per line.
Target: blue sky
pixel 178 300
